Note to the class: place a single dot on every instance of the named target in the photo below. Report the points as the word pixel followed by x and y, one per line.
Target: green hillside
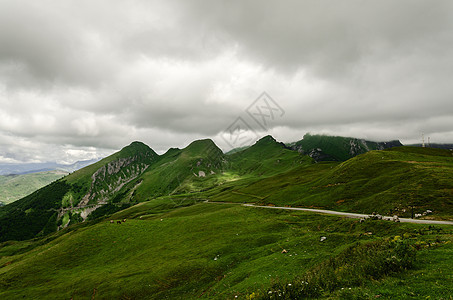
pixel 14 187
pixel 266 157
pixel 389 182
pixel 175 245
pixel 193 168
pixel 218 251
pixel 402 181
pixel 337 148
pixel 71 199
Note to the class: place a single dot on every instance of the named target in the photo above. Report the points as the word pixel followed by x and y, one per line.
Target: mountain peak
pixel 200 146
pixel 268 139
pixel 137 147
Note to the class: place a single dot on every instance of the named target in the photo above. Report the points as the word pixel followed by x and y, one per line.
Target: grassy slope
pixel 177 171
pixel 15 187
pixel 83 175
pixel 37 213
pixel 266 157
pixel 223 250
pixel 388 181
pixel 207 250
pixel 336 147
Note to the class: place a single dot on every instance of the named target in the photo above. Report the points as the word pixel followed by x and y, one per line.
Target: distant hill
pixel 14 187
pixel 19 169
pixel 336 148
pixel 234 150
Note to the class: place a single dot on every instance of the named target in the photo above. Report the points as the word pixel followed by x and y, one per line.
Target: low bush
pixel 353 267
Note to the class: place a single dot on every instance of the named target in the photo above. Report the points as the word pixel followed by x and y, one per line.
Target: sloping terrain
pixel 134 174
pixel 30 168
pixel 71 199
pixel 336 148
pixel 404 181
pixel 266 157
pixel 191 169
pixel 215 251
pixel 14 187
pixel 137 225
pixel 394 181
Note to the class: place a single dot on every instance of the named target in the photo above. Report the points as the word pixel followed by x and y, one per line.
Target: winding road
pixel 344 214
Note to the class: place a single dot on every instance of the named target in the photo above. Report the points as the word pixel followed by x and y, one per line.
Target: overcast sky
pixel 81 79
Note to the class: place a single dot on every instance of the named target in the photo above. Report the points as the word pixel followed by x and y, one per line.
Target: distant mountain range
pixel 19 169
pixel 318 171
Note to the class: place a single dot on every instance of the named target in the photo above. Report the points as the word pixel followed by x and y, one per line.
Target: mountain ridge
pixel 137 173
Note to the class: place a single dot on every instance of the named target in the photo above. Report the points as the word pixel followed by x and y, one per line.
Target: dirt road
pixel 352 215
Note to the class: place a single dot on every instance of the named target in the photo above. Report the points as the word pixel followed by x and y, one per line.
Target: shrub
pixel 353 267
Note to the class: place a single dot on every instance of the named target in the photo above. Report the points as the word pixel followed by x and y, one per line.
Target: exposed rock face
pixel 317 154
pixel 110 178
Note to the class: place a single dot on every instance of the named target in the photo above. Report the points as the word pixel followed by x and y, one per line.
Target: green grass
pixel 14 187
pixel 167 249
pixel 394 181
pixel 337 148
pixel 266 157
pixel 389 182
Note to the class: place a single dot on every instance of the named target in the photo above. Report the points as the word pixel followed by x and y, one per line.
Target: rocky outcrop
pixel 110 178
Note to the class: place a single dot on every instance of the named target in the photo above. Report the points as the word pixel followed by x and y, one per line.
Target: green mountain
pixel 183 170
pixel 132 175
pixel 72 198
pixel 166 241
pixel 336 148
pixel 266 157
pixel 397 180
pixel 14 187
pixel 391 181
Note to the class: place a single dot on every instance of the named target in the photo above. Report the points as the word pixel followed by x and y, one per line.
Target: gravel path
pixel 351 215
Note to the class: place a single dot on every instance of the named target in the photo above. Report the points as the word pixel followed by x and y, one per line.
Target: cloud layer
pixel 84 78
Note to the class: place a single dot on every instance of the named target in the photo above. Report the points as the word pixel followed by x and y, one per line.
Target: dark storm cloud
pixel 87 77
pixel 321 34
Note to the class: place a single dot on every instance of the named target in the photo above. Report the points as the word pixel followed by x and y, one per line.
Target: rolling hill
pixel 24 168
pixel 401 180
pixel 14 187
pixel 336 148
pixel 167 241
pixel 227 251
pixel 398 181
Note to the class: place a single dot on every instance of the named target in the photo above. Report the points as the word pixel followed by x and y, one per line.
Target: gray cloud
pixel 88 77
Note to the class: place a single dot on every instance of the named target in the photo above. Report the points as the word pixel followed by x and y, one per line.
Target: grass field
pixel 389 182
pixel 180 248
pixel 14 187
pixel 175 245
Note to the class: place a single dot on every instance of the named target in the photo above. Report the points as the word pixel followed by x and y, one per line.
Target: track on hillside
pixel 344 214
